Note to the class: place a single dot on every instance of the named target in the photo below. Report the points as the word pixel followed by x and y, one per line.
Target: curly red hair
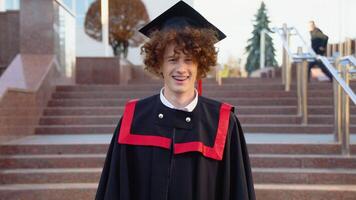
pixel 199 43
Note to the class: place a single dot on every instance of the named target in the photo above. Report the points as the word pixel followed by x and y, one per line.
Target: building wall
pixel 9 37
pixel 85 46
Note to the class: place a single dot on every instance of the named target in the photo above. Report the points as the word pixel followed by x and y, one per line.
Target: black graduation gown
pixel 158 153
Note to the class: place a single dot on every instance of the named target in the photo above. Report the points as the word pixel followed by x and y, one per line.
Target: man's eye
pixel 172 60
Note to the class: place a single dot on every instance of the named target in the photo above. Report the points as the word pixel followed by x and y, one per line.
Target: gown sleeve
pixel 241 176
pixel 109 181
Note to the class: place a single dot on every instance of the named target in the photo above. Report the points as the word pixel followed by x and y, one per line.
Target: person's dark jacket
pixel 319 41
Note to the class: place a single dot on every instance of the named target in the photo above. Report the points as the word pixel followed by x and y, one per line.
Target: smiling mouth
pixel 180 78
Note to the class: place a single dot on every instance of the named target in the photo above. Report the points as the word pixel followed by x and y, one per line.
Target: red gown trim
pixel 215 152
pixel 125 137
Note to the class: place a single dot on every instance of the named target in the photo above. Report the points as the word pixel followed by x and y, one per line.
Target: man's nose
pixel 181 66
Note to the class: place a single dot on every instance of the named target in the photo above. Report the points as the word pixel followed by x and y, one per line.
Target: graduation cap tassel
pixel 200 87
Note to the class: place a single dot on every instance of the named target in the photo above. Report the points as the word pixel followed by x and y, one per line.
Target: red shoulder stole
pixel 215 152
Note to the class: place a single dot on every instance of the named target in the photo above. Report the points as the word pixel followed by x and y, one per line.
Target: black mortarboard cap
pixel 178 16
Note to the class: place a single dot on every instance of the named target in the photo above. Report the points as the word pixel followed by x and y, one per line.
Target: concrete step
pixel 142 94
pixel 84 191
pixel 291 128
pixel 86 111
pixel 302 161
pixel 292 148
pixel 51 175
pixel 240 110
pixel 304 192
pixel 103 111
pixel 91 144
pixel 248 128
pixel 244 119
pixel 210 93
pixel 75 129
pixel 212 80
pixel 87 102
pixel 80 120
pixel 303 176
pixel 260 175
pixel 239 80
pixel 58 191
pixel 243 82
pixel 112 120
pixel 206 86
pixel 97 161
pixel 157 87
pixel 52 161
pixel 286 101
pixel 56 149
pixel 109 102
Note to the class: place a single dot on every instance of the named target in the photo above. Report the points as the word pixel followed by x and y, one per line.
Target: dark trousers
pixel 322 67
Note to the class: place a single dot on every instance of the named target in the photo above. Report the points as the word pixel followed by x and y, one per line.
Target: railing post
pixel 345 114
pixel 218 75
pixel 348 46
pixel 288 61
pixel 304 87
pixel 337 106
pixel 262 48
pixel 285 55
pixel 328 50
pixel 299 84
pixel 341 49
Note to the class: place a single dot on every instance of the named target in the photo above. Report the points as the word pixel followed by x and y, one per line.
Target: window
pixel 12 4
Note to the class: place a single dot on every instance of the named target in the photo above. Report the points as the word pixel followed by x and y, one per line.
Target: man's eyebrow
pixel 171 56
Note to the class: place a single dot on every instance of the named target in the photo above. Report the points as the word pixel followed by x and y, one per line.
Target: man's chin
pixel 180 90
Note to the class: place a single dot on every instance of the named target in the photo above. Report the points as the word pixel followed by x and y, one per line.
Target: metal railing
pixel 342 91
pixel 342 99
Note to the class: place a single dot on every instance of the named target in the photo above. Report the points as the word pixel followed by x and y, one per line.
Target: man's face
pixel 311 26
pixel 179 72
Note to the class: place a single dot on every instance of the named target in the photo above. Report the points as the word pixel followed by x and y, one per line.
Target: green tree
pixel 253 47
pixel 125 18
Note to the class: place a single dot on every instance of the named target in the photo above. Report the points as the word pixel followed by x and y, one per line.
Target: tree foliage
pixel 253 47
pixel 125 18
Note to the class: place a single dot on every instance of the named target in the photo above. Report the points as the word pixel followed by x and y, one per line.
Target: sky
pixel 235 19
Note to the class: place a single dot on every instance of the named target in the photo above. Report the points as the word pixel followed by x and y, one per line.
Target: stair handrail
pixel 284 42
pixel 339 79
pixel 311 55
pixel 342 109
pixel 349 58
pixel 331 68
pixel 342 103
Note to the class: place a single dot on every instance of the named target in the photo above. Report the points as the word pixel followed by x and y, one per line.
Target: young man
pixel 178 145
pixel 319 43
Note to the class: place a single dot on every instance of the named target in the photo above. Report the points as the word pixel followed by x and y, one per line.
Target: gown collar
pixel 189 108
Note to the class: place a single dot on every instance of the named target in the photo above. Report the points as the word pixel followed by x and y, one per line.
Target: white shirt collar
pixel 189 108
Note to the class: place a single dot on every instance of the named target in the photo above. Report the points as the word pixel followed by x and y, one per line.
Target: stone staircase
pixel 290 161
